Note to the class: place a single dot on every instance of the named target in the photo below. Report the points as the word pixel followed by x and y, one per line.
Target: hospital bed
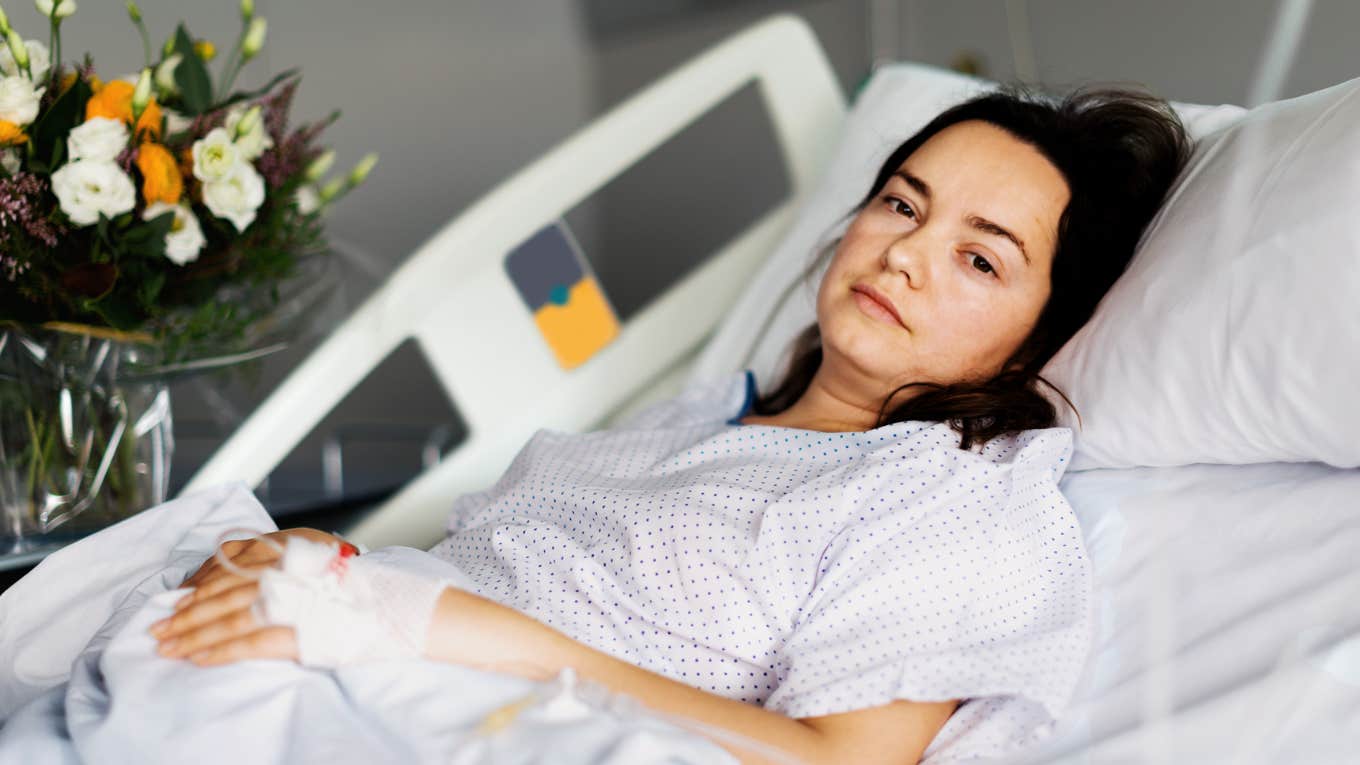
pixel 1228 630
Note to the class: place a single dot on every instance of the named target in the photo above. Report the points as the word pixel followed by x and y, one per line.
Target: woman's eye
pixel 987 269
pixel 901 207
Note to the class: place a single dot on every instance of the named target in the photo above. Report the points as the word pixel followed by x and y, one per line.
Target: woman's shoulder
pixel 1033 451
pixel 1047 449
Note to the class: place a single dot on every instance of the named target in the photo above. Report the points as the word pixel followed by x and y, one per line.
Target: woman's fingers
pixel 216 584
pixel 245 553
pixel 224 627
pixel 266 643
pixel 214 578
pixel 230 549
pixel 195 578
pixel 205 610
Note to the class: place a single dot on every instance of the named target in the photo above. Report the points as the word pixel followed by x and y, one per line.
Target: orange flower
pixel 11 134
pixel 114 100
pixel 149 124
pixel 186 170
pixel 186 161
pixel 161 181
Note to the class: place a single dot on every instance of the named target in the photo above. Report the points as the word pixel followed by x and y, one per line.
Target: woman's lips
pixel 877 306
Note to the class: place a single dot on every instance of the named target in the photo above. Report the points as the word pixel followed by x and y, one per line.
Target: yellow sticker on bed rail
pixel 554 281
pixel 580 327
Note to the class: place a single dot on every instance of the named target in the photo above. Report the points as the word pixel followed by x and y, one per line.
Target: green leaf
pixel 102 237
pixel 148 239
pixel 195 88
pixel 247 95
pixel 50 131
pixel 149 289
pixel 117 311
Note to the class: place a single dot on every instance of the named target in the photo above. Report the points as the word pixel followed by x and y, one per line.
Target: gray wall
pixel 1202 51
pixel 456 96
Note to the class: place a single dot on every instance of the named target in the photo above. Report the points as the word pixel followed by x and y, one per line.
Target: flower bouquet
pixel 146 224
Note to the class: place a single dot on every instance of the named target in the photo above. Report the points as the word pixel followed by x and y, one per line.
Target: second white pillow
pixel 1234 336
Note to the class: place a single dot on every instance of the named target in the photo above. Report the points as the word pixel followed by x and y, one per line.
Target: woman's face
pixel 960 242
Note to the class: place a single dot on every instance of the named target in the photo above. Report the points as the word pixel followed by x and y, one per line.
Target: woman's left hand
pixel 220 628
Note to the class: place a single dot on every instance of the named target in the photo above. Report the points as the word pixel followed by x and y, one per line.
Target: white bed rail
pixel 454 297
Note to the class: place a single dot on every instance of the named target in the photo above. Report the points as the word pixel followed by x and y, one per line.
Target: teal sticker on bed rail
pixel 556 285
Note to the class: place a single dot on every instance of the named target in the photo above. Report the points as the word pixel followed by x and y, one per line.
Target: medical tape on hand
pixel 345 608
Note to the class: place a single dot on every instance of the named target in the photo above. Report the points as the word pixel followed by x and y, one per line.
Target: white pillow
pixel 899 100
pixel 1234 336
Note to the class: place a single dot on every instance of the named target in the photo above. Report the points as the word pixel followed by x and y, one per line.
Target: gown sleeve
pixel 964 577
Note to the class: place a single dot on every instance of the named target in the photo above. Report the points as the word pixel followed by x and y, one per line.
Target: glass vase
pixel 85 434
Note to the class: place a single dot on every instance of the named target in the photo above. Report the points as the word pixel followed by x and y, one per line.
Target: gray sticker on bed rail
pixel 547 261
pixel 571 311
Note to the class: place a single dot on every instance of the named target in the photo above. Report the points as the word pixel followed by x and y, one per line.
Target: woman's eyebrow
pixel 916 183
pixel 986 226
pixel 977 222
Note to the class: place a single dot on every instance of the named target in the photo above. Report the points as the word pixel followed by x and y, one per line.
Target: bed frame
pixel 454 299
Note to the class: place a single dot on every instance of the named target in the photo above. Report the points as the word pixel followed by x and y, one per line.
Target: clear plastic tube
pixel 236 534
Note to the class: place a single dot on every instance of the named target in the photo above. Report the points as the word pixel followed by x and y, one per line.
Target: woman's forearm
pixel 467 629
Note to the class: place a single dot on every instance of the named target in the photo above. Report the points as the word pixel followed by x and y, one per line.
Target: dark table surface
pixel 329 517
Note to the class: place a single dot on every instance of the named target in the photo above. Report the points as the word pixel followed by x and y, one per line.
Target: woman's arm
pixel 471 630
pixel 215 625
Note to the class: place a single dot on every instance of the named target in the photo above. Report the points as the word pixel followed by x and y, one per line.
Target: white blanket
pixel 80 680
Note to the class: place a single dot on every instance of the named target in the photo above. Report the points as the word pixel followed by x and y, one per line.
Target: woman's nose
pixel 908 255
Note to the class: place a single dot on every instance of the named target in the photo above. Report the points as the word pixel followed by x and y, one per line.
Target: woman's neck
pixel 831 404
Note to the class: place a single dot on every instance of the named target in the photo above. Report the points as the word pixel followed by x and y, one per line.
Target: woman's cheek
pixel 980 336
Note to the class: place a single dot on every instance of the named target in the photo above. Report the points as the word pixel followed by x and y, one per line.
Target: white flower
pixel 174 121
pixel 55 10
pixel 141 94
pixel 254 39
pixel 332 189
pixel 215 156
pixel 361 170
pixel 236 197
pixel 19 100
pixel 320 166
pixel 87 188
pixel 98 139
pixel 165 73
pixel 39 60
pixel 252 139
pixel 185 239
pixel 9 159
pixel 308 201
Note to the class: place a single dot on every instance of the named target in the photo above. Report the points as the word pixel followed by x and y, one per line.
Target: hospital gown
pixel 809 572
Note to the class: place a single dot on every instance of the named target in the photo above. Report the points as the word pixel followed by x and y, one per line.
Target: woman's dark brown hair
pixel 1119 152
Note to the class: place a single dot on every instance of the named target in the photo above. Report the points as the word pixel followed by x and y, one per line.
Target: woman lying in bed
pixel 872 549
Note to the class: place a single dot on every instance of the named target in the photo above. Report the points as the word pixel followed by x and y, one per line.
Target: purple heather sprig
pixel 20 198
pixel 276 106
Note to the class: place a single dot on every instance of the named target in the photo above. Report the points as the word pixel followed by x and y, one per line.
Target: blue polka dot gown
pixel 808 572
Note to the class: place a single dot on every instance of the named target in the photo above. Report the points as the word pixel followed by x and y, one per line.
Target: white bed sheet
pixel 1226 600
pixel 1227 603
pixel 80 681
